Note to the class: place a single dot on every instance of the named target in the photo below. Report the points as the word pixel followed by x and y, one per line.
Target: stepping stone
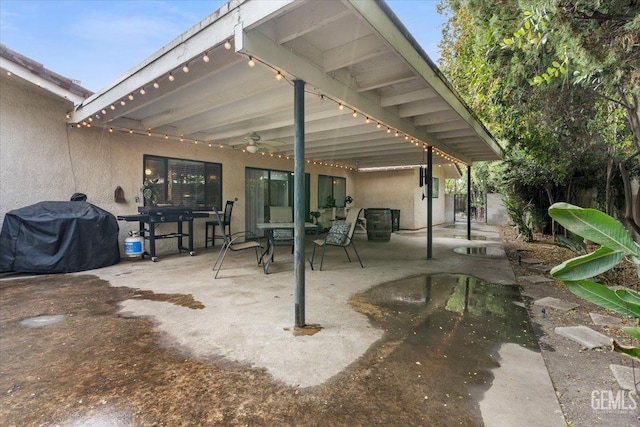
pixel 536 279
pixel 531 261
pixel 584 336
pixel 555 303
pixel 602 320
pixel 624 376
pixel 540 267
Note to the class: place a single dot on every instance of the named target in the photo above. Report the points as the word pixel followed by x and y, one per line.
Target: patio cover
pixel 373 97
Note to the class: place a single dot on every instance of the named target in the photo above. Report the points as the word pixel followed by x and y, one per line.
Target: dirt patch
pixel 578 375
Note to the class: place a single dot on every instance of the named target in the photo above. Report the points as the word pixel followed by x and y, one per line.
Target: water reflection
pixel 448 325
pixel 486 251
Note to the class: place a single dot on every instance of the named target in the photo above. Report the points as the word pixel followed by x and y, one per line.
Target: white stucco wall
pixel 496 210
pixel 400 190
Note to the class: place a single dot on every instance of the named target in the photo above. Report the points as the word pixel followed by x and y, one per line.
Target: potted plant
pixel 150 192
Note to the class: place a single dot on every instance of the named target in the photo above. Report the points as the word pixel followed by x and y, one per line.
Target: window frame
pixel 164 184
pixel 338 203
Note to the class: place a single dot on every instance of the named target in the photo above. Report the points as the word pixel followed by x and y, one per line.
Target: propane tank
pixel 134 244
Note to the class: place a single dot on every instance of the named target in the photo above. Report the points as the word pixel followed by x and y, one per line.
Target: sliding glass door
pixel 265 188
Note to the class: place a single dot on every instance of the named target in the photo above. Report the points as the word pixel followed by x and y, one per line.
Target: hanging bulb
pixel 110 130
pixel 251 62
pixel 205 58
pixel 122 102
pixel 185 68
pixel 142 91
pixel 156 85
pixel 227 45
pixel 181 138
pixel 113 107
pixel 166 136
pixel 397 133
pixel 367 121
pixel 103 111
pixel 340 107
pixel 130 97
pixel 171 78
pixel 149 132
pixel 378 125
pixel 388 130
pixel 355 113
pixel 278 76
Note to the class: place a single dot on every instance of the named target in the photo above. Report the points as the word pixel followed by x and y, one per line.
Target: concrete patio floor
pixel 246 318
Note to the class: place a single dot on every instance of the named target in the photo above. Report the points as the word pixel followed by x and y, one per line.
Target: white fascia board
pixel 211 31
pixel 260 46
pixel 39 81
pixel 381 23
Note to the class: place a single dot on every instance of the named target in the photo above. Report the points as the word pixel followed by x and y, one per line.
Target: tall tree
pixel 567 132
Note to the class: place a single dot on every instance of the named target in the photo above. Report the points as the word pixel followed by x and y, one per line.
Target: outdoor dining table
pixel 268 255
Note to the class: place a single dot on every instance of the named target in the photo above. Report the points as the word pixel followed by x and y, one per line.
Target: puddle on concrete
pixel 183 300
pixel 440 332
pixel 483 251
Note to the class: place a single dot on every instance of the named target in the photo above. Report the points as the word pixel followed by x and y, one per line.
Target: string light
pixel 113 107
pixel 122 102
pixel 171 78
pixel 156 85
pixel 227 45
pixel 251 62
pixel 103 111
pixel 340 106
pixel 130 97
pixel 186 68
pixel 355 113
pixel 279 76
pixel 205 58
pixel 142 91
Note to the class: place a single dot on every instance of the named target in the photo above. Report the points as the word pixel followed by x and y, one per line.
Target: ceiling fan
pixel 254 143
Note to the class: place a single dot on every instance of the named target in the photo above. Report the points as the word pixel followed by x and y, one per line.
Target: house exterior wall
pixel 42 158
pixel 399 190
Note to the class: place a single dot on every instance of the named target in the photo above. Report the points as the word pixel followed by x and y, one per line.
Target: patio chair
pixel 236 242
pixel 340 234
pixel 225 226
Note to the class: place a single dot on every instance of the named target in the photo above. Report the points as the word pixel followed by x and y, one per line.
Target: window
pixel 190 183
pixel 332 191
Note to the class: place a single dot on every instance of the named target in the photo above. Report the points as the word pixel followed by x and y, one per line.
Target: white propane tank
pixel 134 244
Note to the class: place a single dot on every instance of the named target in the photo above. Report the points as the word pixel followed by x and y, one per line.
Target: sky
pixel 95 42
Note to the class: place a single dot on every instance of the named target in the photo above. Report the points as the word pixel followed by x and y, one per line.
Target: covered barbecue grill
pixel 58 237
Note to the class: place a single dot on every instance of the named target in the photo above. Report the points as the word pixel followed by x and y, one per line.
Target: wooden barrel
pixel 378 224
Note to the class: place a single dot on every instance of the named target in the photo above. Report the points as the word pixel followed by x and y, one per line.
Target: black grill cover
pixel 58 237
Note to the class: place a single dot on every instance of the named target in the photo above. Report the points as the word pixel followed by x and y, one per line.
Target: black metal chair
pixel 340 234
pixel 224 224
pixel 235 242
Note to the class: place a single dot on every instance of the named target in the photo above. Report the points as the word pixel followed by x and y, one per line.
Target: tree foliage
pixel 556 82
